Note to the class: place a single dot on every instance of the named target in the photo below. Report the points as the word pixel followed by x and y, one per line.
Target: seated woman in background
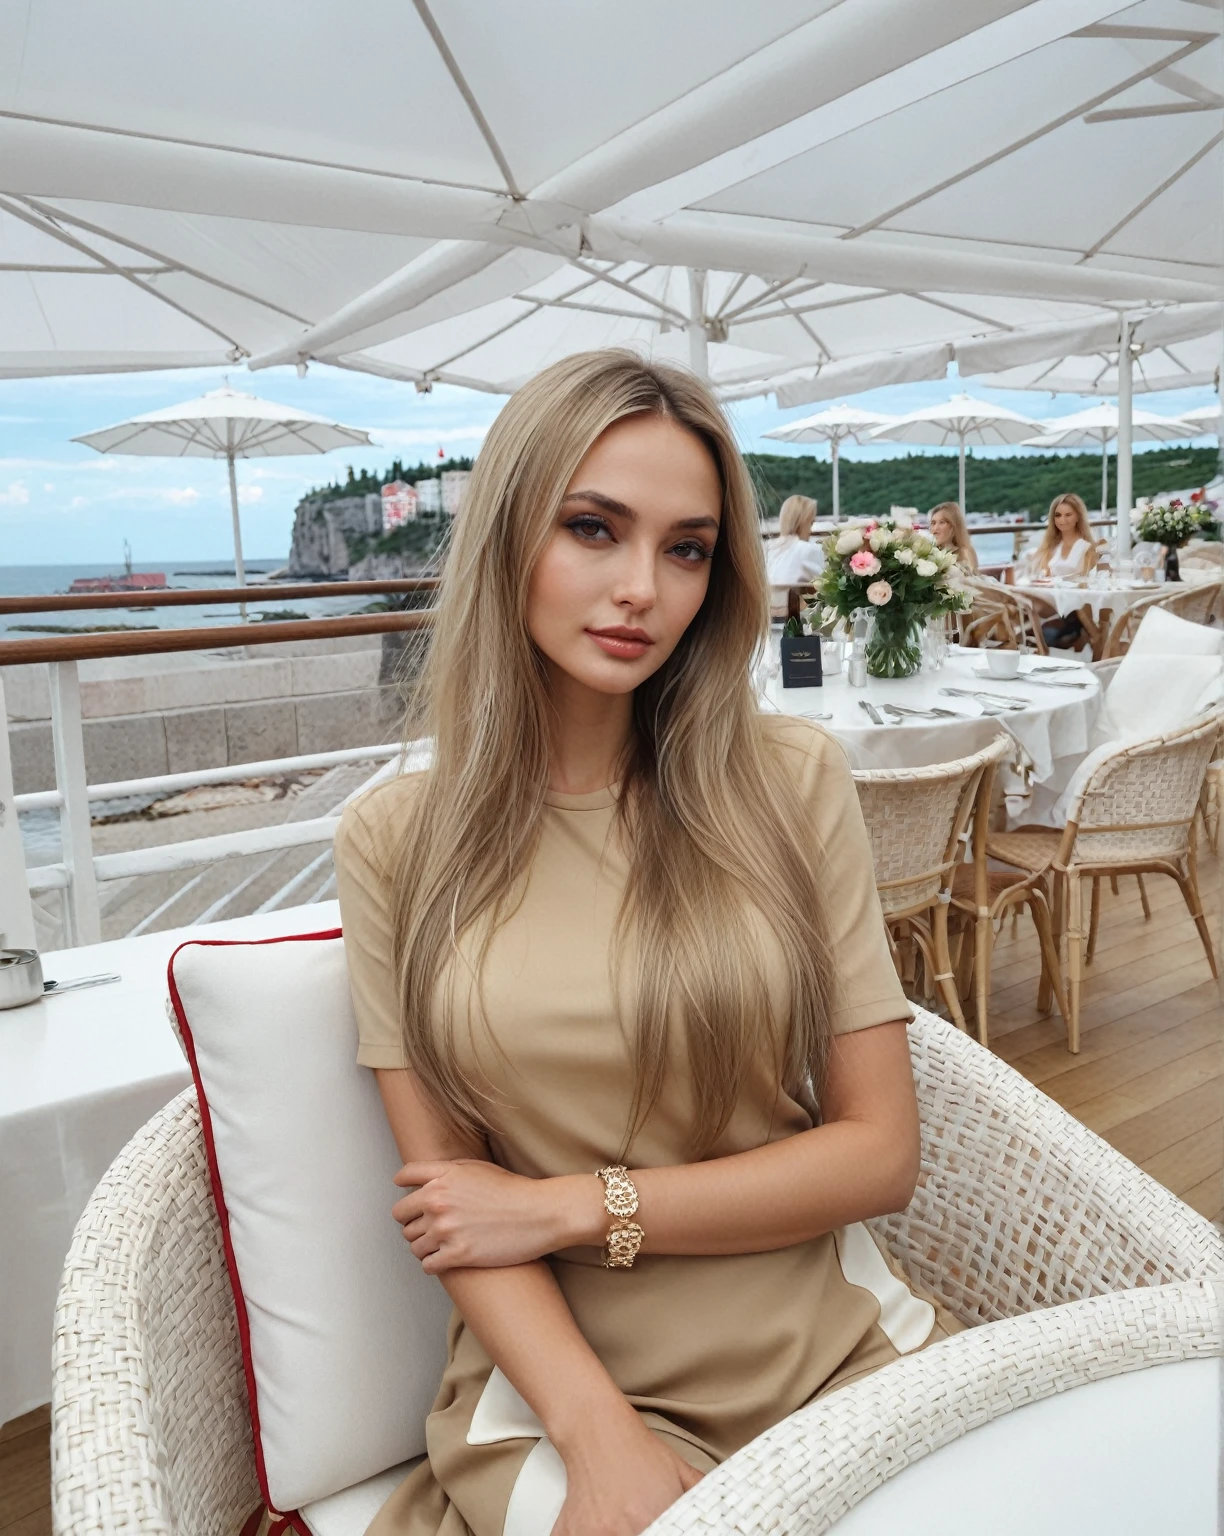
pixel 1066 549
pixel 947 528
pixel 792 560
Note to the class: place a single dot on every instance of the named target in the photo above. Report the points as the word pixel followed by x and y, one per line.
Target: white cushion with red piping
pixel 343 1336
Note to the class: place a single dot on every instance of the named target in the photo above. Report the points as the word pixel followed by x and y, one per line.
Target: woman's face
pixel 942 530
pixel 628 563
pixel 1066 518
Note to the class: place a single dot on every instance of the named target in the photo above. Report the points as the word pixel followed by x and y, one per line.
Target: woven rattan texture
pixel 800 1477
pixel 1018 1207
pixel 910 814
pixel 1157 780
pixel 149 1429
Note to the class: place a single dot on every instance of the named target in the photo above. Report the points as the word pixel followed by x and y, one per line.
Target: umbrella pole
pixel 698 339
pixel 1123 538
pixel 836 489
pixel 239 568
pixel 1105 477
pixel 960 481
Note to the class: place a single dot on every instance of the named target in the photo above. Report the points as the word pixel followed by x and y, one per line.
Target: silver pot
pixel 21 977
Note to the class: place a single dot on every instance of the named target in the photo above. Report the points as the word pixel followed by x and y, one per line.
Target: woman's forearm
pixel 523 1321
pixel 772 1197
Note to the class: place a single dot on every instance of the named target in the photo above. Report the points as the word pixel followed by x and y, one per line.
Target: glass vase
pixel 1172 564
pixel 894 643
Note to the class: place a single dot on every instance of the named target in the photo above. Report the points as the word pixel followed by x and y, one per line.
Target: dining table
pixel 1105 595
pixel 944 713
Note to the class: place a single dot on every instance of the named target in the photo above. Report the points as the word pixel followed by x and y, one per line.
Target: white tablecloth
pixel 79 1075
pixel 1053 728
pixel 1068 599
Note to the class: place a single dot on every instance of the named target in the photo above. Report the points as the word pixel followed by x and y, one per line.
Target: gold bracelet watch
pixel 624 1237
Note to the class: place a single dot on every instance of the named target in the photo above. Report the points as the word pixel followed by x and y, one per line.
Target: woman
pixel 607 954
pixel 948 529
pixel 1067 549
pixel 792 560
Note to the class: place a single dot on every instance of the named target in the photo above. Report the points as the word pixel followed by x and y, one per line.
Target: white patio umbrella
pixel 226 424
pixel 1205 419
pixel 959 421
pixel 833 426
pixel 1099 425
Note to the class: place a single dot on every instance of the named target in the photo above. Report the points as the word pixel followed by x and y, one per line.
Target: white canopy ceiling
pixel 442 191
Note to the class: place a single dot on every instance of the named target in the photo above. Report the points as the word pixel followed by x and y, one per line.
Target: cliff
pixel 326 532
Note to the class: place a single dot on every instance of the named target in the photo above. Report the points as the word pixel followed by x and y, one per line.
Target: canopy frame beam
pixel 1200 40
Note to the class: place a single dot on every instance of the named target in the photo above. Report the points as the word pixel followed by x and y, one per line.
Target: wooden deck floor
pixel 1149 1078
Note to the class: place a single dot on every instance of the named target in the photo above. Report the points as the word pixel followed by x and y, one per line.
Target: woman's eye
pixel 588 527
pixel 691 551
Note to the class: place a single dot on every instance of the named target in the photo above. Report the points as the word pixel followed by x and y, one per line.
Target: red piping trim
pixel 285 1520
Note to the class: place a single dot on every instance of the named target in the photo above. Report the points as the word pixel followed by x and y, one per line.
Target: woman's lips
pixel 626 646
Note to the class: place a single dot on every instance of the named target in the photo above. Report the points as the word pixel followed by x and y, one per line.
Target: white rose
pixel 904 556
pixel 921 545
pixel 849 541
pixel 902 520
pixel 926 568
pixel 880 539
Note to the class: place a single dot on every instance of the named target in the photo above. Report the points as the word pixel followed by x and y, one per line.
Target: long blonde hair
pixel 711 821
pixel 961 542
pixel 796 516
pixel 1052 537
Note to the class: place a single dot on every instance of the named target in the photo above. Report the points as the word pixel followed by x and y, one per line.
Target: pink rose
pixel 878 593
pixel 864 563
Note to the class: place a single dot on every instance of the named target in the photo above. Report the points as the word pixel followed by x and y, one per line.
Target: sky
pixel 64 503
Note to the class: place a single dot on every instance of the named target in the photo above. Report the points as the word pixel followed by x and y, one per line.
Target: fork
pixel 999 700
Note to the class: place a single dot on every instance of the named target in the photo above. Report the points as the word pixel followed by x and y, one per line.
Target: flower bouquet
pixel 898 574
pixel 1174 523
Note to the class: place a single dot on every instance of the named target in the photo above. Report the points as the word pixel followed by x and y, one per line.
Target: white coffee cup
pixel 1003 663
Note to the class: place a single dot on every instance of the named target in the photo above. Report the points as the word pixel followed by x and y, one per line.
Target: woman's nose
pixel 634 586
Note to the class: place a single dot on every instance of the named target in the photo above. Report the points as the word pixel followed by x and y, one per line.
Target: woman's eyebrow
pixel 607 503
pixel 621 509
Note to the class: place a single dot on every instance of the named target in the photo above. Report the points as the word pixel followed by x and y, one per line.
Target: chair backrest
pixel 1000 616
pixel 1195 603
pixel 1140 802
pixel 916 820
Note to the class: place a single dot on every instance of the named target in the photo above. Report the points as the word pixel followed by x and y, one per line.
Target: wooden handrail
pixel 153 642
pixel 179 597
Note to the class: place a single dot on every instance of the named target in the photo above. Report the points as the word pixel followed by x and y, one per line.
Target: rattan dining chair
pixel 1023 1219
pixel 917 821
pixel 1197 604
pixel 982 896
pixel 1000 616
pixel 1135 815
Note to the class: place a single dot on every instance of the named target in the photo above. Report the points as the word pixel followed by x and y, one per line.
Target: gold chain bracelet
pixel 624 1237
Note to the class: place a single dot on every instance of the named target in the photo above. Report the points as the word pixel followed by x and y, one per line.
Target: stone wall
pixel 172 714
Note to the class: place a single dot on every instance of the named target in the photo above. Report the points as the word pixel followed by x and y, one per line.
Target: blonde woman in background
pixel 618 963
pixel 1067 549
pixel 949 530
pixel 792 560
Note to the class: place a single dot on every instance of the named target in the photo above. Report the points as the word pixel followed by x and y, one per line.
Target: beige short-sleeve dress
pixel 711 1350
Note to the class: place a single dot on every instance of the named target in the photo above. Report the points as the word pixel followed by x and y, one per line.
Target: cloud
pixel 49 486
pixel 415 437
pixel 178 495
pixel 15 496
pixel 78 501
pixel 249 493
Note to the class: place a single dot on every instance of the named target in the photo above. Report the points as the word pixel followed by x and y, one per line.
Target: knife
pixel 871 710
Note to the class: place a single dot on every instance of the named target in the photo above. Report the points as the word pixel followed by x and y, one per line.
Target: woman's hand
pixel 471 1214
pixel 619 1479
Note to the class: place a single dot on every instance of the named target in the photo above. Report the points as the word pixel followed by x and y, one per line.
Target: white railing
pixel 79 871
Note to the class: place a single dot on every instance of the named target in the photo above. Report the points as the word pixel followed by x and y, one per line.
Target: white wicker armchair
pixel 1019 1208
